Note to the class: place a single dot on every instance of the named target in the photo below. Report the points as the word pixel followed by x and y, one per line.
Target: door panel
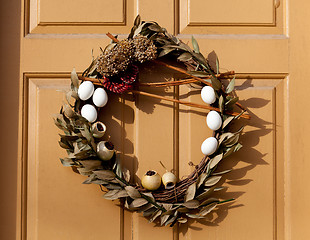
pixel 250 39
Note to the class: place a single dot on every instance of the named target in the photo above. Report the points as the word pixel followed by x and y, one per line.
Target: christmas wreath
pixel 116 69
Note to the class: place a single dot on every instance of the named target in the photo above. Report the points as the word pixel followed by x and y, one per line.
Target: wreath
pixel 116 69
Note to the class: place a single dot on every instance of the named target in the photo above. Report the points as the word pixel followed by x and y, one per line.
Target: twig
pixel 246 116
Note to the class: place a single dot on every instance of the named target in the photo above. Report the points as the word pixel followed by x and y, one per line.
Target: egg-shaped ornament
pixel 100 97
pixel 214 120
pixel 89 112
pixel 208 94
pixel 105 150
pixel 169 180
pixel 86 90
pixel 151 180
pixel 209 146
pixel 98 129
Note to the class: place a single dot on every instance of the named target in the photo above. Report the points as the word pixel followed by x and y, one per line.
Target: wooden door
pixel 257 39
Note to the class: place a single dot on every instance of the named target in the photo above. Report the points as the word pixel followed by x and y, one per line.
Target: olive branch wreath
pixel 188 198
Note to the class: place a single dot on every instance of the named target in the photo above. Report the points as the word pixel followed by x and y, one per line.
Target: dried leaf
pixel 67 162
pixel 149 212
pixel 150 195
pixel 227 121
pixel 137 21
pixel 199 74
pixel 194 216
pixel 237 147
pixel 205 194
pixel 74 80
pixel 138 203
pixel 126 174
pixel 217 65
pixel 192 204
pixel 212 181
pixel 209 201
pixel 91 164
pixel 171 220
pixel 182 220
pixel 132 192
pixel 184 57
pixel 165 51
pixel 201 179
pixel 207 209
pixel 190 192
pixel 231 102
pixel 231 140
pixel 231 86
pixel 163 219
pixel 214 161
pixel 221 173
pixel 155 215
pixel 105 174
pixel 115 194
pixel 155 28
pixel 221 104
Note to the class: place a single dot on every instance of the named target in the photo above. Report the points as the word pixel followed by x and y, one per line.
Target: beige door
pixel 265 41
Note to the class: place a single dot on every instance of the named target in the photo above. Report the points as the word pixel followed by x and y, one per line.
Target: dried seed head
pixel 145 50
pixel 117 59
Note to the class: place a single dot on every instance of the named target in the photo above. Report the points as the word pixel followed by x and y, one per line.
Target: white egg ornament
pixel 89 112
pixel 100 97
pixel 208 94
pixel 214 120
pixel 86 90
pixel 209 146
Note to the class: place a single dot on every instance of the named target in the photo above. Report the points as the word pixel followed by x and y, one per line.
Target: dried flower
pixel 117 59
pixel 145 50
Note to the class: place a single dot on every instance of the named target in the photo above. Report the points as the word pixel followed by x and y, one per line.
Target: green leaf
pixel 199 74
pixel 184 57
pixel 231 86
pixel 132 192
pixel 195 45
pixel 216 84
pixel 190 192
pixel 214 161
pixel 212 181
